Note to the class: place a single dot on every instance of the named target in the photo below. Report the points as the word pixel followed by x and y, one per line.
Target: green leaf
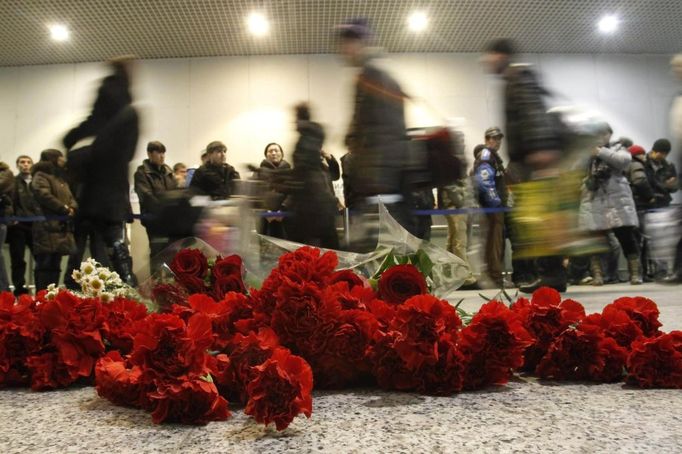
pixel 388 262
pixel 207 378
pixel 424 263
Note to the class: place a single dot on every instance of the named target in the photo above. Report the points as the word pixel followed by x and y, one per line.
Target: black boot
pixel 123 263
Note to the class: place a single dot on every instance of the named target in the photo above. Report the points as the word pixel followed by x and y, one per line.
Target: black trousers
pixel 628 240
pixel 19 237
pixel 85 236
pixel 47 270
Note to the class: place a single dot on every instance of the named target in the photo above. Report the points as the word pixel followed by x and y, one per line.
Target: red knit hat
pixel 636 149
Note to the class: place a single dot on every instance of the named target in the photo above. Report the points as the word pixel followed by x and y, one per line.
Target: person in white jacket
pixel 676 135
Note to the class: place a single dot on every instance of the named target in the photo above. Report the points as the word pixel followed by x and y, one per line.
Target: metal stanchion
pixel 346 226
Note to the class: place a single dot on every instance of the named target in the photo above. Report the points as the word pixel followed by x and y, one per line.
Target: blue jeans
pixel 4 281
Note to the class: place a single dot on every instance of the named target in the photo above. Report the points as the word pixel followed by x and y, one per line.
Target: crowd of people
pixel 84 192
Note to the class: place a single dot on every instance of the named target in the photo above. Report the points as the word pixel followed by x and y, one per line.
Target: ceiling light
pixel 608 24
pixel 59 32
pixel 417 21
pixel 258 24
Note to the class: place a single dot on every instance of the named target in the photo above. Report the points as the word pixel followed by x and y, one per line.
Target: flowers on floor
pixel 214 344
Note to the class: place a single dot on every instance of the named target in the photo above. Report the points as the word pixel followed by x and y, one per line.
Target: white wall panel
pixel 246 101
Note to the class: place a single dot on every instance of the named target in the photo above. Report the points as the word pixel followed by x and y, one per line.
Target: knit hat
pixel 636 150
pixel 662 145
pixel 355 28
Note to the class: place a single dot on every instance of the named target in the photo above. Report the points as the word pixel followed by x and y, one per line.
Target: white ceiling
pixel 194 28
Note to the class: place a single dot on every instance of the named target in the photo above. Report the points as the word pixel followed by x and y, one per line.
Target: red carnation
pixel 246 352
pixel 190 262
pixel 492 344
pixel 119 383
pixel 401 282
pixel 348 276
pixel 617 324
pixel 656 362
pixel 280 390
pixel 423 321
pixel 303 319
pixel 222 373
pixel 545 318
pixel 642 310
pixel 443 377
pixel 76 327
pixel 585 353
pixel 21 335
pixel 193 401
pixel 223 314
pixel 307 264
pixel 122 317
pixel 47 371
pixel 344 361
pixel 167 347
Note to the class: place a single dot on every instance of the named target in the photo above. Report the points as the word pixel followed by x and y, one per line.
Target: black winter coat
pixel 53 198
pixel 273 200
pixel 104 186
pixel 215 181
pixel 150 182
pixel 6 190
pixel 377 138
pixel 23 201
pixel 658 174
pixel 529 128
pixel 642 191
pixel 313 202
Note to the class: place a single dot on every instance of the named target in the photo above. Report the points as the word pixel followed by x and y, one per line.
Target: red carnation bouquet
pixel 215 342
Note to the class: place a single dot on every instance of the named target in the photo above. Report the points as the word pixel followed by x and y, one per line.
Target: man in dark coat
pixel 215 178
pixel 533 141
pixel 6 190
pixel 152 179
pixel 377 138
pixel 52 238
pixel 661 172
pixel 102 168
pixel 19 234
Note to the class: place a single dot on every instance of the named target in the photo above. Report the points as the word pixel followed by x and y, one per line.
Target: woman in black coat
pixel 102 168
pixel 273 200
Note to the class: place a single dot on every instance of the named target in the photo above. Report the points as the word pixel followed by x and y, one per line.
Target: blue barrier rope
pixel 282 214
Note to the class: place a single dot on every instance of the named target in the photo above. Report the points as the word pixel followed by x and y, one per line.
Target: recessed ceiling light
pixel 59 32
pixel 258 24
pixel 418 21
pixel 608 24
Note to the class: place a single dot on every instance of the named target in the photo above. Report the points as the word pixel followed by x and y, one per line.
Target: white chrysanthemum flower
pixel 76 275
pixel 104 274
pixel 106 297
pixel 87 268
pixel 96 284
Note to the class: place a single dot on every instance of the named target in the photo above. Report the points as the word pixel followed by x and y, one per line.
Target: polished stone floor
pixel 524 416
